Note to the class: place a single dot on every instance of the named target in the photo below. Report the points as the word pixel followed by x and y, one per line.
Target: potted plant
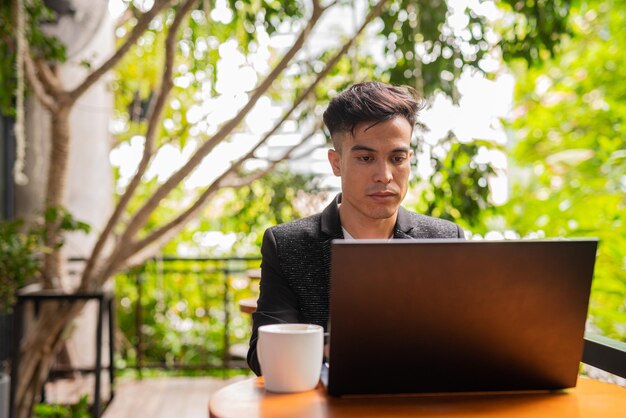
pixel 20 251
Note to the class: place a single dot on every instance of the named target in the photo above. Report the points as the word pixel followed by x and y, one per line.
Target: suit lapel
pixel 330 223
pixel 400 234
pixel 404 227
pixel 330 226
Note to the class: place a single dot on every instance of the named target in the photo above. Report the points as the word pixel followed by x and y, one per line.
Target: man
pixel 371 126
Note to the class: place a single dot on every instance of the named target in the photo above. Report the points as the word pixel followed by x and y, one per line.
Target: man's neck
pixel 362 227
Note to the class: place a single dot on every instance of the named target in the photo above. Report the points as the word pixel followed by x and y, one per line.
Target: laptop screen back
pixel 410 316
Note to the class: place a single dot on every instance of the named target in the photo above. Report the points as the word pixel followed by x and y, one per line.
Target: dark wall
pixel 7 159
pixel 7 211
pixel 6 335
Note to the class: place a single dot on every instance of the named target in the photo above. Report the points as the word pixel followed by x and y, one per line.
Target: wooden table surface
pixel 249 399
pixel 248 305
pixel 254 274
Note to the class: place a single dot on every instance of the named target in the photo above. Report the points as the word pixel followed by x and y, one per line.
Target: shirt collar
pixel 331 224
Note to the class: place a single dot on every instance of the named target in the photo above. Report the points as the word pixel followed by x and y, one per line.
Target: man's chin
pixel 382 212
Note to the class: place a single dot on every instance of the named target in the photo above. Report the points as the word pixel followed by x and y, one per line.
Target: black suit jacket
pixel 295 269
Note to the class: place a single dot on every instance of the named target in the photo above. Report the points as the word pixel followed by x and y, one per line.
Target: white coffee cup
pixel 290 356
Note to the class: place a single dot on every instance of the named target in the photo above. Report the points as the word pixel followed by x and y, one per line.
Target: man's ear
pixel 335 161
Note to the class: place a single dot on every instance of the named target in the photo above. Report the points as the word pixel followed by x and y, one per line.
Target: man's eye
pixel 365 158
pixel 398 159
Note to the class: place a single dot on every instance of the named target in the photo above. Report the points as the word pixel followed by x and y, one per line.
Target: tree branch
pixel 320 76
pixel 139 29
pixel 47 77
pixel 331 4
pixel 170 229
pixel 272 164
pixel 155 113
pixel 152 203
pixel 307 152
pixel 40 92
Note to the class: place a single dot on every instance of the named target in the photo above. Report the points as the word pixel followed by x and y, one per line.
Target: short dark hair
pixel 370 101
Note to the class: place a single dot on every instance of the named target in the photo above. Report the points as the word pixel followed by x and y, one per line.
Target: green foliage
pixel 21 248
pixel 138 74
pixel 184 311
pixel 417 35
pixel 19 259
pixel 536 29
pixel 63 220
pixel 269 14
pixel 182 302
pixel 569 152
pixel 422 49
pixel 246 212
pixel 80 410
pixel 266 202
pixel 41 46
pixel 186 116
pixel 458 188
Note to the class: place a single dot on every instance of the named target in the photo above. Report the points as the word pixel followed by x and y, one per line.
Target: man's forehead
pixel 381 135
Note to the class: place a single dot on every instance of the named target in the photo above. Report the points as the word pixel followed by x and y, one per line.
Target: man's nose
pixel 383 173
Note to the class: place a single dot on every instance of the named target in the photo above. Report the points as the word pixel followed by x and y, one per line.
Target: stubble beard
pixel 375 211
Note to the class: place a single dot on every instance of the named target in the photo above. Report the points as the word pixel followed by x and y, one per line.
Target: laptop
pixel 424 316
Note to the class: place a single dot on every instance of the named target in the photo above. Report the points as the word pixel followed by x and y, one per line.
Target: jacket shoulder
pixel 303 228
pixel 429 227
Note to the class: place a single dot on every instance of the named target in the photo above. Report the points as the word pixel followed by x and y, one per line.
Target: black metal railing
pixel 182 313
pixel 183 293
pixel 105 308
pixel 605 354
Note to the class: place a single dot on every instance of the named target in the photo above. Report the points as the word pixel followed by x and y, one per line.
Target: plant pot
pixel 6 336
pixel 5 393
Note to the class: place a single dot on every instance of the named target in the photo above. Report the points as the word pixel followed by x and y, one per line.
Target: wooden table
pixel 247 305
pixel 249 399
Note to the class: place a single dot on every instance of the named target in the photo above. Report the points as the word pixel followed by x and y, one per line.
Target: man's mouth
pixel 382 194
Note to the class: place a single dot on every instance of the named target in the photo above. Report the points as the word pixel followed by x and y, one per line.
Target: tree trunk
pixel 46 334
pixel 39 347
pixel 55 192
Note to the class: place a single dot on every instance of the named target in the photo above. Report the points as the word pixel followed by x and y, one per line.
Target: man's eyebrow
pixel 362 148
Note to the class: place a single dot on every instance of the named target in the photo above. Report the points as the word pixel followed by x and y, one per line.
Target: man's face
pixel 374 166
